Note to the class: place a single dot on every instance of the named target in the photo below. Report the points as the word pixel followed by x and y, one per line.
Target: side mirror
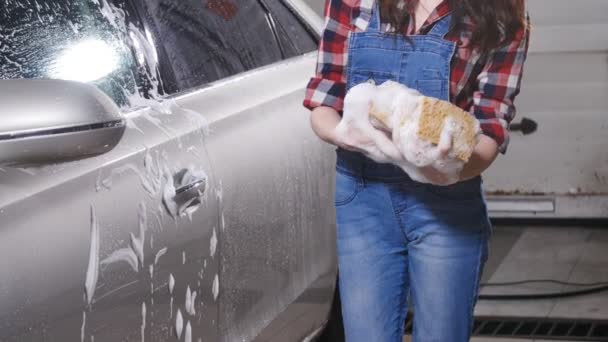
pixel 49 121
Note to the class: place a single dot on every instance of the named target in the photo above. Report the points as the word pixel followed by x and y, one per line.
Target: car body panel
pixel 91 249
pixel 47 217
pixel 261 147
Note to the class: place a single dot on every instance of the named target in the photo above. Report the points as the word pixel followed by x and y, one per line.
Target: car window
pixel 92 41
pixel 295 37
pixel 206 40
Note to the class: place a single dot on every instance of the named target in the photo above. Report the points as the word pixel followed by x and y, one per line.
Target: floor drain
pixel 536 328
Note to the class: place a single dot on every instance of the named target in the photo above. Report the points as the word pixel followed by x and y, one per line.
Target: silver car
pixel 158 177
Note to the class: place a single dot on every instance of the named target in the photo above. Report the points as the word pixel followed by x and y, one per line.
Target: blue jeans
pixel 398 239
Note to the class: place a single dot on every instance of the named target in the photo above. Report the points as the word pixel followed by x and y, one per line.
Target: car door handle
pixel 190 191
pixel 525 126
pixel 189 185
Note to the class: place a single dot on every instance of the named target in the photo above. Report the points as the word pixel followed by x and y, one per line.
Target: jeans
pixel 399 240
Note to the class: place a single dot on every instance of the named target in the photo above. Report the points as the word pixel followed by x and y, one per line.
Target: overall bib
pixel 399 239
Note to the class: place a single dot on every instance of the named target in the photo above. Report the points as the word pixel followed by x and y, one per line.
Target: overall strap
pixel 442 27
pixel 374 24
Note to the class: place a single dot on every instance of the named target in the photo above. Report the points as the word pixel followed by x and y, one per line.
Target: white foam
pixel 188 300
pixel 223 221
pixel 188 335
pixel 159 254
pixel 216 287
pixel 123 254
pixel 213 243
pixel 143 321
pixel 193 303
pixel 83 326
pixel 179 324
pixel 137 243
pixel 169 195
pixel 93 266
pixel 171 283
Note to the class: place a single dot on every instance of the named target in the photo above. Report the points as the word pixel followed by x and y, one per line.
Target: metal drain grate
pixel 536 328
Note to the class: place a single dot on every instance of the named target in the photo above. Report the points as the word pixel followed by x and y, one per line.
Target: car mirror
pixel 49 121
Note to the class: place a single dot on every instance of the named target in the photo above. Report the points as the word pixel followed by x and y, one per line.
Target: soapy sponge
pixel 433 119
pixel 398 118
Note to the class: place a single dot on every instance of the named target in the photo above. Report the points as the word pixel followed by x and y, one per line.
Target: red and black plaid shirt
pixel 484 85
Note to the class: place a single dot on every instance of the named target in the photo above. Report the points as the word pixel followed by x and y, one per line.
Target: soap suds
pixel 171 283
pixel 190 302
pixel 213 243
pixel 83 326
pixel 159 254
pixel 92 269
pixel 188 335
pixel 123 254
pixel 216 287
pixel 137 243
pixel 143 321
pixel 179 324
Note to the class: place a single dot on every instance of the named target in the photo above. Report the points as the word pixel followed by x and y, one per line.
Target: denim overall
pixel 399 240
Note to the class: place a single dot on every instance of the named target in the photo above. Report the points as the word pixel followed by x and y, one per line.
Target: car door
pixel 561 169
pixel 115 247
pixel 244 64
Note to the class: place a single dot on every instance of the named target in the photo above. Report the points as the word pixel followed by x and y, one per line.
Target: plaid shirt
pixel 484 85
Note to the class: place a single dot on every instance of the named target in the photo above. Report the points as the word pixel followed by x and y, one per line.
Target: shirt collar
pixel 440 12
pixel 361 21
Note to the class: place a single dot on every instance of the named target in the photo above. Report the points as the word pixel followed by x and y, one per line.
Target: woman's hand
pixel 353 139
pixel 324 121
pixel 483 156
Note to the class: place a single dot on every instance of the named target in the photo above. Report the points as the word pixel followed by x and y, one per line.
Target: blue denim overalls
pixel 399 239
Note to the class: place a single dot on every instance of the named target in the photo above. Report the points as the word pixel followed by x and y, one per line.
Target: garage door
pixel 560 169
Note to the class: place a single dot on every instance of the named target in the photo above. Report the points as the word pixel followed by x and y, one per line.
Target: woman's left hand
pixel 483 156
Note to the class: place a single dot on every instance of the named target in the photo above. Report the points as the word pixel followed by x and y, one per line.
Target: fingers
pixel 445 145
pixel 386 145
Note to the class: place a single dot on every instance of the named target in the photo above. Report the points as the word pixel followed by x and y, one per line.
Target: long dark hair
pixel 495 21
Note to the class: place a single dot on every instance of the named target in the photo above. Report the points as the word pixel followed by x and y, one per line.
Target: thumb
pixel 445 144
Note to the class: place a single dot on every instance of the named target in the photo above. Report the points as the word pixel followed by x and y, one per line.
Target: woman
pixel 399 240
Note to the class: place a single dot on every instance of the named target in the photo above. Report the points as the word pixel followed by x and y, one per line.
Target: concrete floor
pixel 477 339
pixel 569 253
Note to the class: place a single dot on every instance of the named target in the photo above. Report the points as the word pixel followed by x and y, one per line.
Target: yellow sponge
pixel 432 120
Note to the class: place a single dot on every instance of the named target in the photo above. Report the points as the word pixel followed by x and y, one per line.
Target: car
pixel 159 180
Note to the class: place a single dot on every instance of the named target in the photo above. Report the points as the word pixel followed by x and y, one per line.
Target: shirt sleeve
pixel 499 83
pixel 328 86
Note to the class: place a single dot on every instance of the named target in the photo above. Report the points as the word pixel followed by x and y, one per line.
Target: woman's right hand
pixel 373 143
pixel 324 121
